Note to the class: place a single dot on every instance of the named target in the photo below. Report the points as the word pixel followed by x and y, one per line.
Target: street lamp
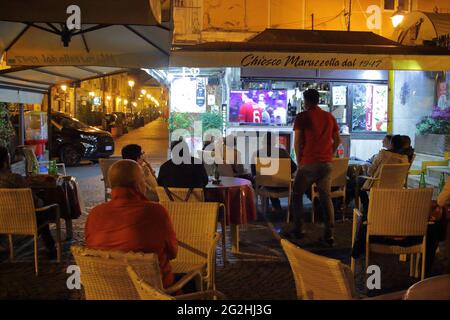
pixel 397 17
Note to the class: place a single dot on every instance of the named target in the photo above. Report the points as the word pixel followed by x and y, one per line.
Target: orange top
pixel 129 222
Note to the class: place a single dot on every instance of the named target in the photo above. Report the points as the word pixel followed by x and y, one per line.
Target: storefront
pixel 268 74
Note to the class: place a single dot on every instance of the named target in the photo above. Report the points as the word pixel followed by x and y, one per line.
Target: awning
pixel 305 49
pixel 41 79
pixel 20 96
pixel 126 34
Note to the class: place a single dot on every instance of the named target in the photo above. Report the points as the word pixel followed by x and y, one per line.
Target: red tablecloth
pixel 238 197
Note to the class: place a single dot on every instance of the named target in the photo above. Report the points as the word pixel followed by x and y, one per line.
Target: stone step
pixel 420 157
pixel 413 181
pixel 436 172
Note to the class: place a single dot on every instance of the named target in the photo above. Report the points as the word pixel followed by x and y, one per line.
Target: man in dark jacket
pixel 182 170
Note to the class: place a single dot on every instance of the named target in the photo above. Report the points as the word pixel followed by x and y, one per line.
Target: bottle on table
pixel 216 172
pixel 442 182
pixel 52 168
pixel 35 168
pixel 422 182
pixel 340 151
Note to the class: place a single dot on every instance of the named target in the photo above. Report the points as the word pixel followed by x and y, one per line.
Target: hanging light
pixel 397 17
pixel 131 83
pixel 63 87
pixel 108 98
pixel 143 91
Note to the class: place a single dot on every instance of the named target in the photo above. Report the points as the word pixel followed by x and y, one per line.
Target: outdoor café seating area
pixel 231 242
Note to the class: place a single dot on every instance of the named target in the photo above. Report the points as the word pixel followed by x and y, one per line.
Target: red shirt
pixel 318 128
pixel 250 113
pixel 129 222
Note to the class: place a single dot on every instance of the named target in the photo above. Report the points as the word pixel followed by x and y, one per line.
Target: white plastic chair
pixel 338 180
pixel 275 185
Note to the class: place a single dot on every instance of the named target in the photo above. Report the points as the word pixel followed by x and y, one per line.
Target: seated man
pixel 391 156
pixel 9 180
pixel 129 222
pixel 182 171
pixel 270 150
pixel 134 152
pixel 386 146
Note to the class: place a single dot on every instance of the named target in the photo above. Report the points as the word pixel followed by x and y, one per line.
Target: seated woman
pixel 134 152
pixel 392 155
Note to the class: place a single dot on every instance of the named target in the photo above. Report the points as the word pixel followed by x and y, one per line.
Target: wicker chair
pixel 396 213
pixel 392 176
pixel 338 180
pixel 105 164
pixel 317 277
pixel 148 292
pixel 18 217
pixel 277 185
pixel 195 226
pixel 191 195
pixel 180 194
pixel 104 273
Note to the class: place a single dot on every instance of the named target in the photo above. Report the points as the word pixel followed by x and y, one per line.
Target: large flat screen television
pixel 258 106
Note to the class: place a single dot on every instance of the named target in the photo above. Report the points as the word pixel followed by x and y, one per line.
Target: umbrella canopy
pixel 113 33
pixel 41 79
pixel 306 49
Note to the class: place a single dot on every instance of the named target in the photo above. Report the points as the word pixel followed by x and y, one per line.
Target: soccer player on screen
pixel 249 112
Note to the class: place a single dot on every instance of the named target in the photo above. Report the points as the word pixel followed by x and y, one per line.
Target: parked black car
pixel 72 140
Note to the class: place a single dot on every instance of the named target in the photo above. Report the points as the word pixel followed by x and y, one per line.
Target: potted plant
pixel 433 132
pixel 7 132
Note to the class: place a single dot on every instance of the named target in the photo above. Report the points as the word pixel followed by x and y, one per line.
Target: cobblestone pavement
pixel 260 271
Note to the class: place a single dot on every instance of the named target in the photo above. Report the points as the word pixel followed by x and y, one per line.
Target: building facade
pixel 237 20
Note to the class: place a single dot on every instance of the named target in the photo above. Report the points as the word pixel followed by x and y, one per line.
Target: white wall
pixel 365 149
pixel 418 100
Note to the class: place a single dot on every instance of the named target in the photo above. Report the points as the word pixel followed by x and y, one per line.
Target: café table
pixel 237 195
pixel 434 288
pixel 62 190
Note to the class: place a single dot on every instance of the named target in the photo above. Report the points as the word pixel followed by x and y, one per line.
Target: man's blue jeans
pixel 320 174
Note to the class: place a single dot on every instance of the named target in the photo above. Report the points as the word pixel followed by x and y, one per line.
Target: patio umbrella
pixel 113 33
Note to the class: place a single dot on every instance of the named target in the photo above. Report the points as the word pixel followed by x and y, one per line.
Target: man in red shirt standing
pixel 316 141
pixel 130 222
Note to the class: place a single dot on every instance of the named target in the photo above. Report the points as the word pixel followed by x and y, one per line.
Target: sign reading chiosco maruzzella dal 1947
pixel 309 60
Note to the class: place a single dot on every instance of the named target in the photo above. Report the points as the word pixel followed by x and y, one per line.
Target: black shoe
pixel 328 241
pixel 52 254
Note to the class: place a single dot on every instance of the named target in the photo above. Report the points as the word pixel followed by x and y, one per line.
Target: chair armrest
pixel 356 212
pixel 398 295
pixel 369 178
pixel 184 280
pixel 53 205
pixel 209 294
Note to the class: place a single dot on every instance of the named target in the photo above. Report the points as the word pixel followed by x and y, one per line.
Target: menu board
pixel 339 95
